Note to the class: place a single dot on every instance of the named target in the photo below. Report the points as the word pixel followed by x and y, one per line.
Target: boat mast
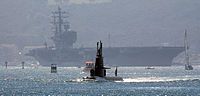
pixel 109 41
pixel 186 49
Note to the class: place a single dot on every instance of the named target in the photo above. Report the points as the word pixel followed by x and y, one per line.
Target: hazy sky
pixel 137 22
pixel 130 22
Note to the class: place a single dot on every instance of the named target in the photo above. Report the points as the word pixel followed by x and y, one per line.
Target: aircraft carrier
pixel 64 54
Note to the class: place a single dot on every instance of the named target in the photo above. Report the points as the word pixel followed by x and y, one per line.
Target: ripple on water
pixel 137 81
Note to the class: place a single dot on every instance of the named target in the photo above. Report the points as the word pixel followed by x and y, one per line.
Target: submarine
pixel 99 71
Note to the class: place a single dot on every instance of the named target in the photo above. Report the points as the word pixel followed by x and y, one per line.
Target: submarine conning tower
pixel 99 69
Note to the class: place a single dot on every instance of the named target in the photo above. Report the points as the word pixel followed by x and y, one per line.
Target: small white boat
pixel 89 66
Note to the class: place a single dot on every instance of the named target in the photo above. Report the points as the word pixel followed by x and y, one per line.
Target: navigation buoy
pixel 23 65
pixel 53 68
pixel 6 64
pixel 116 71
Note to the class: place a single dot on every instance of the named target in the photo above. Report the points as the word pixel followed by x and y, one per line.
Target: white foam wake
pixel 154 79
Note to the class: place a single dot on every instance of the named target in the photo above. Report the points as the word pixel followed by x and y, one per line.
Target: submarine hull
pixel 106 78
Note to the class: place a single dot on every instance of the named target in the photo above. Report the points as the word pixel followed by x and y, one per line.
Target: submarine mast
pixel 99 66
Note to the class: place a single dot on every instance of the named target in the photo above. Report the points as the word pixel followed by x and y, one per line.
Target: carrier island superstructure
pixel 63 53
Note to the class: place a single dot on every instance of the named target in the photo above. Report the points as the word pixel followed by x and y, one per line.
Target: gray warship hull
pixel 114 56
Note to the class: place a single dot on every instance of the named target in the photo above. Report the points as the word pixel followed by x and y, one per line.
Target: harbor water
pixel 138 81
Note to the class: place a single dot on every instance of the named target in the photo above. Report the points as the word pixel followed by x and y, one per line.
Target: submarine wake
pixel 154 80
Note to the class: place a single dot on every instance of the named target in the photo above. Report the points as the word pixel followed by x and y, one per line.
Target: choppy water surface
pixel 137 81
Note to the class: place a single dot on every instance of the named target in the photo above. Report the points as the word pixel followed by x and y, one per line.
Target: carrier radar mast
pixel 63 37
pixel 59 17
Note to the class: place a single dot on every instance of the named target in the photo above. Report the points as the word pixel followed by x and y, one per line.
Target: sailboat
pixel 187 59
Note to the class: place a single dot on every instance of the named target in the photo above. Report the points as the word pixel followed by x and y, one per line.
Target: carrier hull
pixel 114 56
